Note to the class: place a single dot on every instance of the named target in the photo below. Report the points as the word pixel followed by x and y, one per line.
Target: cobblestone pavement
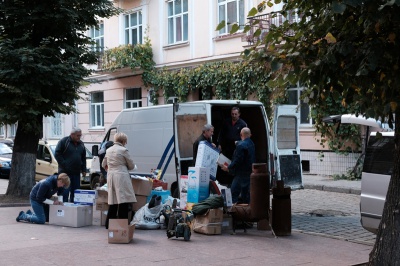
pixel 330 214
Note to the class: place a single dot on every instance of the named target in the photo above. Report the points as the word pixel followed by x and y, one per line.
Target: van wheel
pixel 95 182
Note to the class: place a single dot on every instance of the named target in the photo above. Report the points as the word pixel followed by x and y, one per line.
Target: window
pixel 232 11
pixel 133 98
pixel 294 95
pixel 97 110
pixel 133 28
pixel 13 130
pixel 97 34
pixel 2 130
pixel 177 21
pixel 56 126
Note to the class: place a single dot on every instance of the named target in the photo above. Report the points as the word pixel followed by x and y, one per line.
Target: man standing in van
pixel 230 133
pixel 241 166
pixel 70 154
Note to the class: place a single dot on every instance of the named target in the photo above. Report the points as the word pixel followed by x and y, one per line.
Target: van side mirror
pixel 95 150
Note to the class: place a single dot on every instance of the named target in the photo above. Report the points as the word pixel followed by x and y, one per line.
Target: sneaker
pixel 29 212
pixel 21 216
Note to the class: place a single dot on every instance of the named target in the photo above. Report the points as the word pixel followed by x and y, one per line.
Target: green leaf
pixel 221 25
pixel 235 28
pixel 252 12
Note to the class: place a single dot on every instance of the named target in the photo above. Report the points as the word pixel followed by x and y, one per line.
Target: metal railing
pixel 264 22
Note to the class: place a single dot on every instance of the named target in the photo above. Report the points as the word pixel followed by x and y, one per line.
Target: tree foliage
pixel 346 53
pixel 43 50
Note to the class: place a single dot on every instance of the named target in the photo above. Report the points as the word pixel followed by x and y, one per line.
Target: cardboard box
pixel 101 201
pixel 209 223
pixel 119 231
pixel 72 215
pixel 99 218
pixel 183 186
pixel 141 186
pixel 84 197
pixel 198 184
pixel 141 201
pixel 207 157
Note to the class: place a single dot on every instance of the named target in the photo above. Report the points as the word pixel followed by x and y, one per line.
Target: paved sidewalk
pixel 327 183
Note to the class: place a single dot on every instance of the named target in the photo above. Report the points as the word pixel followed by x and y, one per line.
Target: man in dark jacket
pixel 40 197
pixel 241 167
pixel 70 154
pixel 208 131
pixel 230 133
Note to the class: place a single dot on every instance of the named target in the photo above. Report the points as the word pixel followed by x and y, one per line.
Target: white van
pixel 377 168
pixel 162 137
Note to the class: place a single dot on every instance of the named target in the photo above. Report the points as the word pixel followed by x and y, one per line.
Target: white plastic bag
pixel 146 218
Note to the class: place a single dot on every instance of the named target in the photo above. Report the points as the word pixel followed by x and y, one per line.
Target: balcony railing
pixel 264 23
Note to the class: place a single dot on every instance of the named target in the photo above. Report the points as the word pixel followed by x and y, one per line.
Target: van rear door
pixel 189 119
pixel 286 146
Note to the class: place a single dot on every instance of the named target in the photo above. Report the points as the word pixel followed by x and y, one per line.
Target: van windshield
pixel 379 155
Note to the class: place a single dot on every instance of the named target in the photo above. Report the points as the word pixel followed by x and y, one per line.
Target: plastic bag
pixel 146 218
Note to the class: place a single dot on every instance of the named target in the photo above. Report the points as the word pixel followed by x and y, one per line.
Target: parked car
pixel 46 163
pixel 8 142
pixel 377 168
pixel 5 160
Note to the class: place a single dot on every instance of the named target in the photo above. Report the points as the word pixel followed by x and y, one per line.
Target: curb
pixel 14 205
pixel 346 190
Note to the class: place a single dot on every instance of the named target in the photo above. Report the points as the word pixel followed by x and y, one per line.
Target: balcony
pixel 264 23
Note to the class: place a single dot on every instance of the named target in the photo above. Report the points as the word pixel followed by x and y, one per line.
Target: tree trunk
pixel 23 163
pixel 387 243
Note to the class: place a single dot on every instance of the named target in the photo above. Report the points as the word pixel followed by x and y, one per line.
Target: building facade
pixel 182 34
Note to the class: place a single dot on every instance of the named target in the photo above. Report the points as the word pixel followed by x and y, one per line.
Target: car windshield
pixel 4 149
pixel 88 153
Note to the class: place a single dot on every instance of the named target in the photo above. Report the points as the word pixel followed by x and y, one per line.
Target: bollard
pixel 281 210
pixel 259 192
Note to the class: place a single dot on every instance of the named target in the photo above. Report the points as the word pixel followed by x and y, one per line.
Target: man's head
pixel 76 134
pixel 208 131
pixel 235 113
pixel 245 133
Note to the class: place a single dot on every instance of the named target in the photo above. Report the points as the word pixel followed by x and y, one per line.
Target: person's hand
pixel 213 144
pixel 224 168
pixel 56 202
pixel 83 173
pixel 219 147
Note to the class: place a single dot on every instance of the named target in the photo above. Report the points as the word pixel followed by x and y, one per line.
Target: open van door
pixel 189 119
pixel 286 146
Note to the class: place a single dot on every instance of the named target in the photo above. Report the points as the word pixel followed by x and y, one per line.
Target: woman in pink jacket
pixel 117 163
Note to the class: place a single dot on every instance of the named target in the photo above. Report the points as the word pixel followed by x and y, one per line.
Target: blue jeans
pixel 69 193
pixel 38 216
pixel 241 186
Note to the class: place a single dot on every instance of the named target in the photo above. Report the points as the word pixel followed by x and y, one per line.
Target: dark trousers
pixel 118 211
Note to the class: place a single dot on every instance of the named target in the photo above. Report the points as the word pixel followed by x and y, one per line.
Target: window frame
pixel 240 15
pixel 96 111
pixel 138 101
pixel 97 35
pixel 184 29
pixel 299 89
pixel 128 28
